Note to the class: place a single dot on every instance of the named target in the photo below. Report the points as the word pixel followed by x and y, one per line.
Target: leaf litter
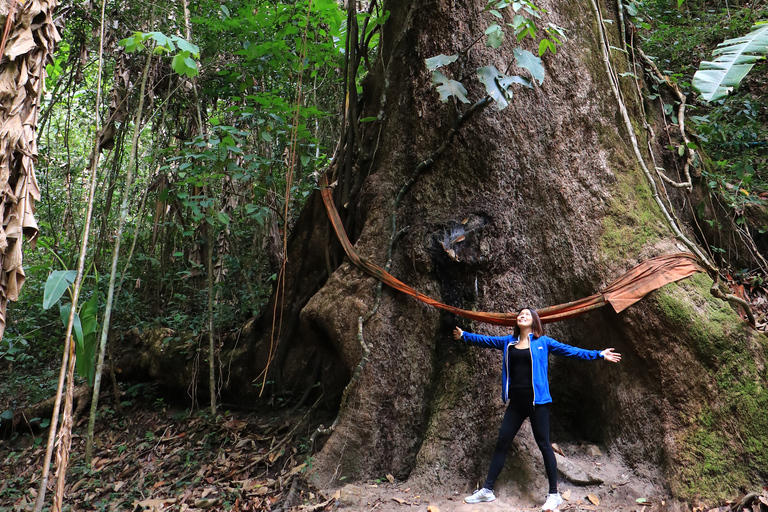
pixel 155 460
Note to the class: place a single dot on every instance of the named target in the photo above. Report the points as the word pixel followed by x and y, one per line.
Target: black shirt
pixel 520 373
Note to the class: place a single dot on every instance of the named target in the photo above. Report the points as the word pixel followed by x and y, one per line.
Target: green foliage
pixel 735 58
pixel 730 130
pixel 526 60
pixel 85 320
pixel 182 62
pixel 447 88
pixel 440 61
pixel 226 180
pixel 58 282
pixel 497 84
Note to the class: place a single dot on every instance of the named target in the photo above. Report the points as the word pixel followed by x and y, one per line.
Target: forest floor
pixel 156 457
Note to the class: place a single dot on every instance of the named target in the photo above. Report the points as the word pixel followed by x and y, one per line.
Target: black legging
pixel 521 407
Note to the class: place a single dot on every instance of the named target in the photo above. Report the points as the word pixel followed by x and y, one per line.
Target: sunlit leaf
pixel 735 58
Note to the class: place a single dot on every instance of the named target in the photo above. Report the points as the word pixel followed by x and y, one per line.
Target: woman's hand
pixel 609 355
pixel 457 333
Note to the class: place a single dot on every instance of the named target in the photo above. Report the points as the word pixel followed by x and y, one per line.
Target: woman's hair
pixel 538 329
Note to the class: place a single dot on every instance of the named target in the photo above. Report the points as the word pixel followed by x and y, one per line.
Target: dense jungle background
pixel 165 159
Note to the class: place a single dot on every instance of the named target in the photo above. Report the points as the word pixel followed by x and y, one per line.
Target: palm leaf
pixel 735 58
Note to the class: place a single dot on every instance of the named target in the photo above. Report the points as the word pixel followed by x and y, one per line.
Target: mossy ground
pixel 724 448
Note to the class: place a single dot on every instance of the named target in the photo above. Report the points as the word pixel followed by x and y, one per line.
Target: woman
pixel 526 387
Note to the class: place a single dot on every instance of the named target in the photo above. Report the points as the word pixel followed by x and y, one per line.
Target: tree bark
pixel 553 204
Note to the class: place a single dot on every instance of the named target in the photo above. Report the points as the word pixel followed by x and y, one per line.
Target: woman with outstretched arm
pixel 525 387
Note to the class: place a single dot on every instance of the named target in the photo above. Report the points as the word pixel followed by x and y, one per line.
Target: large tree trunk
pixel 557 206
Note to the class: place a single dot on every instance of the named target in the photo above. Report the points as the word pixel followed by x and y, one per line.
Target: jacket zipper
pixel 530 349
pixel 506 384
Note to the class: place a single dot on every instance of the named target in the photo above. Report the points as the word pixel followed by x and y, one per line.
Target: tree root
pixel 614 82
pixel 720 291
pixel 690 153
pixel 749 499
pixel 30 418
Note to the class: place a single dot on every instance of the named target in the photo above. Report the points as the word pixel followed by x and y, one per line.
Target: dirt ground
pixel 621 490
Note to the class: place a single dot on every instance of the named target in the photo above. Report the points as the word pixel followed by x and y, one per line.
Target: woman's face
pixel 524 318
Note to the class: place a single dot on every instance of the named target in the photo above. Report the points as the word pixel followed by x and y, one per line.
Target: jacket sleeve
pixel 561 349
pixel 485 341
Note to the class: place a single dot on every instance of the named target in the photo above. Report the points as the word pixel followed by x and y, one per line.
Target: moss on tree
pixel 725 445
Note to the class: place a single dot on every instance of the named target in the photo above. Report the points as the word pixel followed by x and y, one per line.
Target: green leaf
pixel 89 314
pixel 440 61
pixel 681 150
pixel 86 355
pixel 447 87
pixel 545 45
pixel 557 30
pixel 77 330
pixel 495 36
pixel 56 285
pixel 507 81
pixel 642 500
pixel 368 119
pixel 178 64
pixel 186 46
pixel 488 76
pixel 680 3
pixel 223 218
pixel 735 58
pixel 496 13
pixel 529 61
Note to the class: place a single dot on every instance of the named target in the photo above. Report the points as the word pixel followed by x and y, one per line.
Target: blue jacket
pixel 540 349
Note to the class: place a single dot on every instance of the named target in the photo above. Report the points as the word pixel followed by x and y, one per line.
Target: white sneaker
pixel 553 501
pixel 481 495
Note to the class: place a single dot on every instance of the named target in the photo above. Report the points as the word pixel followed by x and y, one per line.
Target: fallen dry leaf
pixel 400 501
pixel 593 499
pixel 432 508
pixel 206 503
pixel 566 495
pixel 154 504
pixel 557 449
pixel 390 478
